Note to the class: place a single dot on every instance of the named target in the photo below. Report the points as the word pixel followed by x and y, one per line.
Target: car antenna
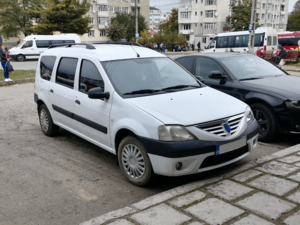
pixel 137 54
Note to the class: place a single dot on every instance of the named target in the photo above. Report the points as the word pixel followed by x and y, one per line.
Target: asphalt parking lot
pixel 66 180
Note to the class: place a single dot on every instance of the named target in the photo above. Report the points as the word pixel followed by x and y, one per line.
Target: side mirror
pixel 200 78
pixel 97 93
pixel 215 74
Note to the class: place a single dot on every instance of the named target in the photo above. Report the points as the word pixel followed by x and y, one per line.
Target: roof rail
pixel 68 45
pixel 117 43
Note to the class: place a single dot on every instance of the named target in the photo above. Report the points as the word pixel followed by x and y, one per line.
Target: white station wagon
pixel 143 107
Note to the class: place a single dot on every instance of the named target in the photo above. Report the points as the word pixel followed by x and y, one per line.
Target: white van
pixel 32 46
pixel 265 38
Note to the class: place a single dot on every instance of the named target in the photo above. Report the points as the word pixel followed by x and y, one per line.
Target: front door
pixel 92 115
pixel 28 50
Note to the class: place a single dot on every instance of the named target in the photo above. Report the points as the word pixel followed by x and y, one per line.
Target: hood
pixel 190 107
pixel 287 86
pixel 12 49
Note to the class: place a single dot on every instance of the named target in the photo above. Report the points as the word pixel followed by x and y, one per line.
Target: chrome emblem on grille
pixel 227 128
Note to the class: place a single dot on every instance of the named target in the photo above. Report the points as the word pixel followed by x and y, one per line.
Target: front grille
pixel 217 127
pixel 219 159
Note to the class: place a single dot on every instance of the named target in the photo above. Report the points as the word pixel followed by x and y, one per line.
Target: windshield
pixel 146 76
pixel 21 43
pixel 248 67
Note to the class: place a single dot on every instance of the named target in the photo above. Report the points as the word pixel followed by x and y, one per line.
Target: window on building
pixel 210 13
pixel 204 40
pixel 233 2
pixel 201 13
pixel 102 33
pixel 184 3
pixel 102 8
pixel 196 25
pixel 91 20
pixel 91 33
pixel 282 17
pixel 102 20
pixel 187 37
pixel 196 1
pixel 281 7
pixel 185 15
pixel 210 2
pixel 281 26
pixel 186 26
pixel 262 16
pixel 195 13
pixel 112 9
pixel 91 8
pixel 209 26
pixel 66 72
pixel 263 5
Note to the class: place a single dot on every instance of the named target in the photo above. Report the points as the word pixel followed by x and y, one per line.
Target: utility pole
pixel 252 28
pixel 136 22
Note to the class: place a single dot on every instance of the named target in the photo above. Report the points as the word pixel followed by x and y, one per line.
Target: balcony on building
pixel 101 1
pixel 186 31
pixel 133 3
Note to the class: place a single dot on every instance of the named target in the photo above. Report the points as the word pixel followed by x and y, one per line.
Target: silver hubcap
pixel 44 120
pixel 133 161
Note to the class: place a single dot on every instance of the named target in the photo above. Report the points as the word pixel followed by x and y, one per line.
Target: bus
pixel 289 40
pixel 265 38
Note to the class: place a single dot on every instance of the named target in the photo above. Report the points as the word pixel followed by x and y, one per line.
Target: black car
pixel 273 94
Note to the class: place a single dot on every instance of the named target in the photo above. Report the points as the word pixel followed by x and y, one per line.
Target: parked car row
pixel 153 114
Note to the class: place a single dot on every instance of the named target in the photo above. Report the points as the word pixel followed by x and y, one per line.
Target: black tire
pixel 267 122
pixel 128 151
pixel 46 122
pixel 21 58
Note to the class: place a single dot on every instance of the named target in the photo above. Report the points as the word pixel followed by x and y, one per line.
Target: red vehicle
pixel 289 40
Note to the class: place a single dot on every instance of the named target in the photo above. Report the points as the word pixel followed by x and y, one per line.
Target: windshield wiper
pixel 251 78
pixel 180 87
pixel 143 91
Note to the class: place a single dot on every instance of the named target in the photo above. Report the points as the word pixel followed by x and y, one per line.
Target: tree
pixel 128 21
pixel 294 18
pixel 172 23
pixel 66 16
pixel 241 15
pixel 145 37
pixel 14 17
pixel 169 37
pixel 116 32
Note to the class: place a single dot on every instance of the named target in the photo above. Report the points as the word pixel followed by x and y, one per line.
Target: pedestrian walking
pixel 4 60
pixel 163 47
pixel 199 46
pixel 193 47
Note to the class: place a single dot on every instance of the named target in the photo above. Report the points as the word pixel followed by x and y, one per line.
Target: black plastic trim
pixel 36 98
pixel 80 119
pixel 191 148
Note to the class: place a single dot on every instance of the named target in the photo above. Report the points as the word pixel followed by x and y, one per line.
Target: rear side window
pixel 187 63
pixel 65 74
pixel 89 77
pixel 46 67
pixel 269 40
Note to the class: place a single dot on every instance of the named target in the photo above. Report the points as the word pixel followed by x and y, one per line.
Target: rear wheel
pixel 21 58
pixel 47 125
pixel 134 161
pixel 268 127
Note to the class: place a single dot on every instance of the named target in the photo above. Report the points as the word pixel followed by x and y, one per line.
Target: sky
pixel 167 5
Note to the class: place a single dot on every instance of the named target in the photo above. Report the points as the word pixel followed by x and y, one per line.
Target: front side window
pixel 152 75
pixel 250 67
pixel 65 74
pixel 46 67
pixel 89 77
pixel 204 66
pixel 28 44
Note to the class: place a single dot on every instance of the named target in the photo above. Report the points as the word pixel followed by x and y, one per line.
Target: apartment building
pixel 102 11
pixel 157 17
pixel 200 20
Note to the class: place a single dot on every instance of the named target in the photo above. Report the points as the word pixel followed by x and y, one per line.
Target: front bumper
pixel 289 120
pixel 13 57
pixel 196 156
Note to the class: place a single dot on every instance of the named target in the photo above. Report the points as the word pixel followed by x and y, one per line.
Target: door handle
pixel 77 102
pixel 51 91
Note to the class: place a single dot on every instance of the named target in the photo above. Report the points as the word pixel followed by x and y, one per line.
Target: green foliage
pixel 128 21
pixel 241 15
pixel 116 32
pixel 294 18
pixel 66 16
pixel 172 23
pixel 169 37
pixel 145 37
pixel 14 17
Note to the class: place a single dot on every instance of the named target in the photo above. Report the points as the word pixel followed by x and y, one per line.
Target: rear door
pixel 62 92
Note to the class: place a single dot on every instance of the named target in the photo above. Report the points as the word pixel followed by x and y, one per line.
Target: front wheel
pixel 21 58
pixel 267 122
pixel 134 161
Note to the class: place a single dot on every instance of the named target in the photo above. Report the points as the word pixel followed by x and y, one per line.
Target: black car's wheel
pixel 20 58
pixel 268 127
pixel 47 125
pixel 134 161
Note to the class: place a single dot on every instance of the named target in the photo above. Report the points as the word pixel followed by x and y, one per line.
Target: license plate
pixel 231 146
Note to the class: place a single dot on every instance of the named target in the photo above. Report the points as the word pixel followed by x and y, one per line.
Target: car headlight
pixel 249 114
pixel 293 104
pixel 174 133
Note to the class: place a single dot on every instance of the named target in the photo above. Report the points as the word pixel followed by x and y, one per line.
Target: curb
pixel 292 70
pixel 164 196
pixel 3 83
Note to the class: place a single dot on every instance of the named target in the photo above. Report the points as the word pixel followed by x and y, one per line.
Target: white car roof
pixel 107 52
